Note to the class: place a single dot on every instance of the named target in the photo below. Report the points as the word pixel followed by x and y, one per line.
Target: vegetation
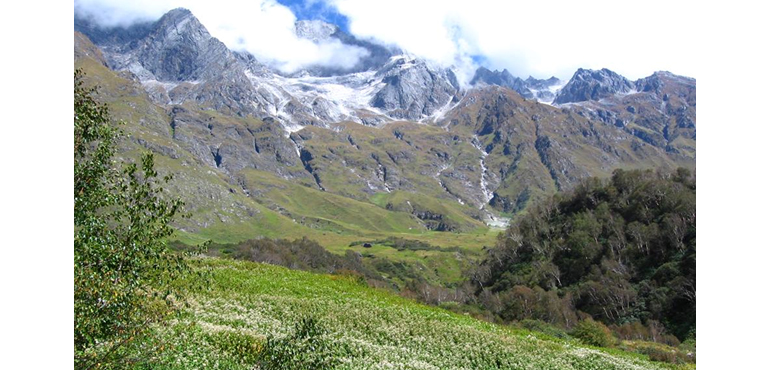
pixel 525 282
pixel 401 244
pixel 308 347
pixel 122 270
pixel 620 251
pixel 593 333
pixel 258 314
pixel 411 278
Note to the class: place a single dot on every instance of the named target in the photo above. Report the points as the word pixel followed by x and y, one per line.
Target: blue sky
pixel 310 10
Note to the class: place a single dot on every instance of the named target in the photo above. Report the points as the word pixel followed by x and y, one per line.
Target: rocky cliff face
pixel 179 61
pixel 178 48
pixel 413 89
pixel 660 111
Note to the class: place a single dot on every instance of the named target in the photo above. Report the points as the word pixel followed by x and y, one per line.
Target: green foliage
pixel 681 354
pixel 622 251
pixel 307 347
pixel 122 269
pixel 593 333
pixel 658 354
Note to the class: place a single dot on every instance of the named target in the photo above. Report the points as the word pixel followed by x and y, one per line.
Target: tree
pixel 122 267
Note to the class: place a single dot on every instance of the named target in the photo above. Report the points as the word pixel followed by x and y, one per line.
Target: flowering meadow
pixel 250 317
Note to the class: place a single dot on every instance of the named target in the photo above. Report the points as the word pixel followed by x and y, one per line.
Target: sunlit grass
pixel 226 327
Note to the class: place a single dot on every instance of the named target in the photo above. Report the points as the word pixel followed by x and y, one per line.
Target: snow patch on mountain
pixel 552 91
pixel 330 99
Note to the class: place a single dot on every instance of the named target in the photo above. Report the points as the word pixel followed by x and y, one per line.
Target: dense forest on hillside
pixel 621 251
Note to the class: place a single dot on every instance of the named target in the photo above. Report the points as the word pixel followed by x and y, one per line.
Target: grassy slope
pixel 246 302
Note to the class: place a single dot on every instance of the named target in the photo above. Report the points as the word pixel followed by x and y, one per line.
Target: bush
pixel 662 355
pixel 658 352
pixel 593 333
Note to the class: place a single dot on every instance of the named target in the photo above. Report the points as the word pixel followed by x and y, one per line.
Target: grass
pixel 345 214
pixel 246 303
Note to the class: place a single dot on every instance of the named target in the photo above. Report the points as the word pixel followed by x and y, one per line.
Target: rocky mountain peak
pixel 531 88
pixel 178 23
pixel 504 78
pixel 179 48
pixel 542 84
pixel 588 84
pixel 414 89
pixel 315 30
pixel 657 81
pixel 177 15
pixel 224 111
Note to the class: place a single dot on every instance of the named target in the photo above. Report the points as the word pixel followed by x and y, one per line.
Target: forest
pixel 620 251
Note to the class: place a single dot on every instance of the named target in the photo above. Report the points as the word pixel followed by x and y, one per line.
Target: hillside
pixel 251 308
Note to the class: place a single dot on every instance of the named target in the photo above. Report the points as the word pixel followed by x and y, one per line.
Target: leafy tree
pixel 122 267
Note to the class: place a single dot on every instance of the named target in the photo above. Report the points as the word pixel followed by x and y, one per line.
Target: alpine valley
pixel 489 196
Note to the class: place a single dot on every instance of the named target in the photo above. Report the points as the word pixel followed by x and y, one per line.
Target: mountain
pixel 588 84
pixel 660 109
pixel 396 138
pixel 544 90
pixel 531 88
pixel 413 89
pixel 374 56
pixel 504 78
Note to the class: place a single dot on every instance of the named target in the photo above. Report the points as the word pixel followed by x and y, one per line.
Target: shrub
pixel 660 354
pixel 593 333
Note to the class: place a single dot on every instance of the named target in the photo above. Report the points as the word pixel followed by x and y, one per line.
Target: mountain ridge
pixel 404 127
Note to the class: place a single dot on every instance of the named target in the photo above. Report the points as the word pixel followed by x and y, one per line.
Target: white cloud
pixel 526 37
pixel 264 28
pixel 538 38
